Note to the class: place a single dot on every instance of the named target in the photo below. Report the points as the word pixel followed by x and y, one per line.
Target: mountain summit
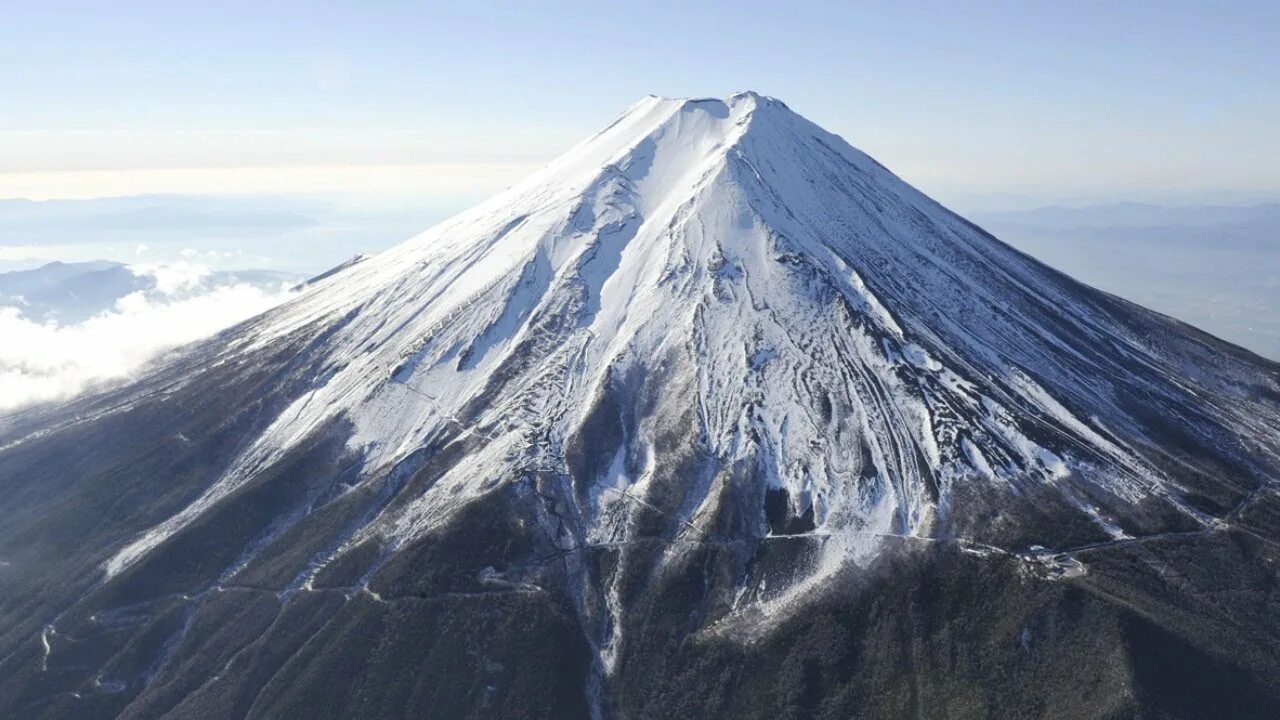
pixel 712 413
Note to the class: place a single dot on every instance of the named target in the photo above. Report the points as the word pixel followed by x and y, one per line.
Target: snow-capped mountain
pixel 714 412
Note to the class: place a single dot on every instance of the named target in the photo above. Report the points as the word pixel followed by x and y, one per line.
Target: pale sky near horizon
pixel 1059 100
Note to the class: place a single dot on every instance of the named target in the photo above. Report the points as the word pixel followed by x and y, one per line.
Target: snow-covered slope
pixel 715 323
pixel 811 316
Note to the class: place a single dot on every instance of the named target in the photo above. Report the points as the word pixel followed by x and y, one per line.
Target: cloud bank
pixel 41 362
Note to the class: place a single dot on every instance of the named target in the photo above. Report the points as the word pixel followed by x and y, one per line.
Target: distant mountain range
pixel 72 292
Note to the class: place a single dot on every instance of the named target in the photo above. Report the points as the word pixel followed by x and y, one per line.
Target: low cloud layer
pixel 42 362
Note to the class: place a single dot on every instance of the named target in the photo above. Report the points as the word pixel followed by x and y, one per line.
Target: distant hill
pixel 73 292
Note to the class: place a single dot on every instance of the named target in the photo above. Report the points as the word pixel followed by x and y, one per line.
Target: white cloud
pixel 213 256
pixel 44 362
pixel 173 278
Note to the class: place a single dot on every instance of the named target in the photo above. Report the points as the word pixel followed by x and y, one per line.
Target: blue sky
pixel 1053 100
